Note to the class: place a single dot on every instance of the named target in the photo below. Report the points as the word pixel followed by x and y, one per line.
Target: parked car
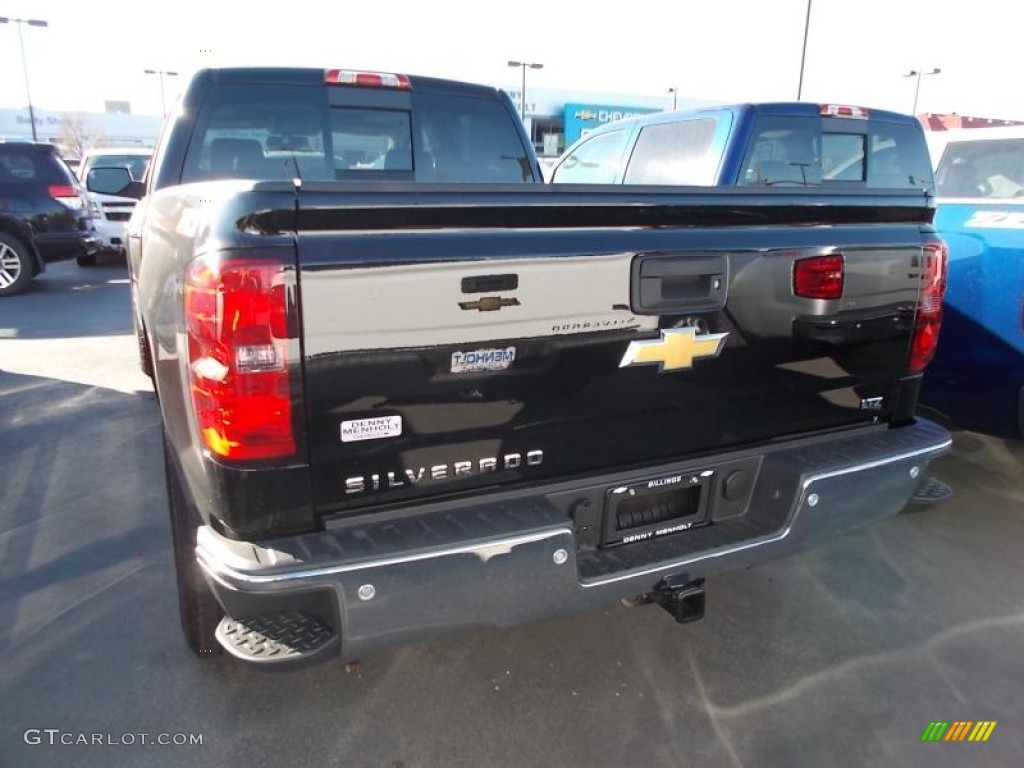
pixel 754 145
pixel 110 212
pixel 392 409
pixel 977 376
pixel 44 214
pixel 135 159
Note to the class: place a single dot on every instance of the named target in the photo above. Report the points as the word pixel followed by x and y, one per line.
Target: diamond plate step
pixel 275 638
pixel 931 491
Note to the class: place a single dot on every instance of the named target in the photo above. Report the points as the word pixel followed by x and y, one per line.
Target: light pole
pixel 917 88
pixel 161 73
pixel 675 92
pixel 24 62
pixel 522 92
pixel 803 55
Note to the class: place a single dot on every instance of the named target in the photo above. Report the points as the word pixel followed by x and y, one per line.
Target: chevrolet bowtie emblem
pixel 675 350
pixel 489 303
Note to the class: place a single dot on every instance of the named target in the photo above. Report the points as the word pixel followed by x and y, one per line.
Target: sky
pixel 858 51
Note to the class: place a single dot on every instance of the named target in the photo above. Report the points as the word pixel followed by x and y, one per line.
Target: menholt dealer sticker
pixel 371 429
pixel 483 360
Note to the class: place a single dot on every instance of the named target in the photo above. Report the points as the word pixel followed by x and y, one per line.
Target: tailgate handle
pixel 682 283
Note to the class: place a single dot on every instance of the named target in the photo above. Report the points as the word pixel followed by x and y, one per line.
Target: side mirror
pixel 114 181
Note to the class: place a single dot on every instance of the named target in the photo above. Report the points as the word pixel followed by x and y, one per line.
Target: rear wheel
pixel 199 610
pixel 145 359
pixel 1020 413
pixel 15 265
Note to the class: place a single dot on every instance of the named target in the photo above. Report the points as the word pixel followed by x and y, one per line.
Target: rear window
pixel 808 151
pixel 136 164
pixel 983 169
pixel 466 139
pixel 278 132
pixel 27 164
pixel 675 153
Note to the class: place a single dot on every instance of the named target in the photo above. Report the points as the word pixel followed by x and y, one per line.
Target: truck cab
pixel 754 145
pixel 341 125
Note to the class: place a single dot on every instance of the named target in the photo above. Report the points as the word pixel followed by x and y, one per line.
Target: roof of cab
pixel 939 140
pixel 44 145
pixel 312 76
pixel 103 151
pixel 775 108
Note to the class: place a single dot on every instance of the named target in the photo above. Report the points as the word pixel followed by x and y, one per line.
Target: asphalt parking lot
pixel 838 657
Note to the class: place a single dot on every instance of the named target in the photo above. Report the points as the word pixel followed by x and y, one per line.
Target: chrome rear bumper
pixel 516 559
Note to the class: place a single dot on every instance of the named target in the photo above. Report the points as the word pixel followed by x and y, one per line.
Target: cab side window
pixel 595 161
pixel 675 153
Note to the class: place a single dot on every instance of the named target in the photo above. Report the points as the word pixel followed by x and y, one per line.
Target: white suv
pixel 110 212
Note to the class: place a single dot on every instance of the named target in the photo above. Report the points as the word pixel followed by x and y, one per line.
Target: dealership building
pixel 556 118
pixel 93 129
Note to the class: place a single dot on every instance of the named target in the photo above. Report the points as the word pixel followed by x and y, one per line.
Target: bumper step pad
pixel 276 637
pixel 931 491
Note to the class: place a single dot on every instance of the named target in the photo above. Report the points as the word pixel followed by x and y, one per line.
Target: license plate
pixel 659 506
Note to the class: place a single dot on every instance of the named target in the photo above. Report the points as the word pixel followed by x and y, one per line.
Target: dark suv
pixel 43 214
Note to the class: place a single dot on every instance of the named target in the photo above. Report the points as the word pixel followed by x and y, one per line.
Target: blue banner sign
pixel 580 119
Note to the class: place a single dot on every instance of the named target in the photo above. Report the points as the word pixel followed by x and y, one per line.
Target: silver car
pixel 110 212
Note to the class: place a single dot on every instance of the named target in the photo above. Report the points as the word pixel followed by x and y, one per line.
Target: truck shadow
pixel 97 297
pixel 81 502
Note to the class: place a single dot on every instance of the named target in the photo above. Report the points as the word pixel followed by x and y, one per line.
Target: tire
pixel 199 611
pixel 1020 413
pixel 16 265
pixel 145 359
pixel 86 260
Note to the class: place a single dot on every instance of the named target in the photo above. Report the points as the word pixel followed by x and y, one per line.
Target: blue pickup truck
pixel 754 145
pixel 977 376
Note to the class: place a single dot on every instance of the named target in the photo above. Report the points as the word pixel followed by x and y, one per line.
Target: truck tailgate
pixel 450 346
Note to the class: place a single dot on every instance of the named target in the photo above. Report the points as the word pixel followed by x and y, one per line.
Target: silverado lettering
pixel 457 469
pixel 316 290
pixel 589 325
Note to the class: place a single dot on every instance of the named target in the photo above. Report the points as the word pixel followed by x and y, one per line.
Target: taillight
pixel 238 323
pixel 367 79
pixel 66 195
pixel 929 310
pixel 819 277
pixel 844 110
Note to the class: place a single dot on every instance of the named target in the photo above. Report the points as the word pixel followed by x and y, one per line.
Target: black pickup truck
pixel 395 406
